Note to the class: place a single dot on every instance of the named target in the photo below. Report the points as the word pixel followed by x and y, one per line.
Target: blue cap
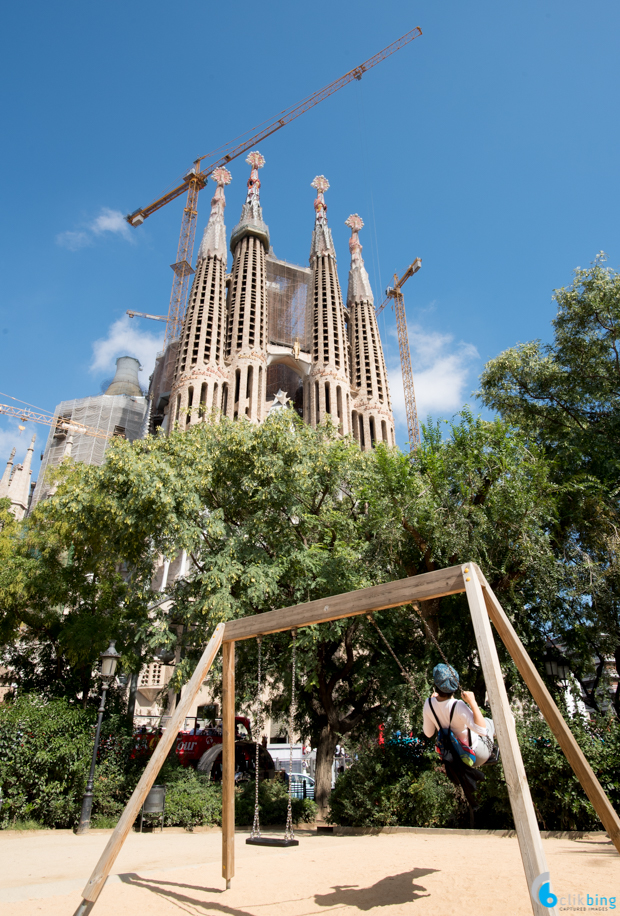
pixel 445 678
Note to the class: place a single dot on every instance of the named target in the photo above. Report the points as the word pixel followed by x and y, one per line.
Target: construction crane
pixel 195 180
pixel 61 423
pixel 133 314
pixel 394 293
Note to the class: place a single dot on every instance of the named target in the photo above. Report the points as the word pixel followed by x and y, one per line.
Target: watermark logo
pixel 570 903
pixel 541 891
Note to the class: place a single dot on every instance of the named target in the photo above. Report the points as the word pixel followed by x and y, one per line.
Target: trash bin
pixel 154 803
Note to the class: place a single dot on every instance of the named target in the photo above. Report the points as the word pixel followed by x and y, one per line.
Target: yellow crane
pixel 195 180
pixel 394 293
pixel 48 419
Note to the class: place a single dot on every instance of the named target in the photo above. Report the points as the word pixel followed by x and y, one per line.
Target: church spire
pixel 200 373
pixel 18 488
pixel 322 242
pixel 6 477
pixel 359 284
pixel 251 222
pixel 214 238
pixel 247 331
pixel 326 390
pixel 371 417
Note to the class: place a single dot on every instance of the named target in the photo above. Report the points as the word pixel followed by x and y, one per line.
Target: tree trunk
pixel 85 682
pixel 616 700
pixel 325 750
pixel 131 701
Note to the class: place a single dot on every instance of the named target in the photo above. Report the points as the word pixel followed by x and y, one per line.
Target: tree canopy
pixel 280 514
pixel 565 395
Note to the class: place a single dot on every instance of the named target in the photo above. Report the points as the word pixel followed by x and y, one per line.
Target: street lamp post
pixel 109 660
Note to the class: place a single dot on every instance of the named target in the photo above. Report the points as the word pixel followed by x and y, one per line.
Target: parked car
pixel 302 786
pixel 210 764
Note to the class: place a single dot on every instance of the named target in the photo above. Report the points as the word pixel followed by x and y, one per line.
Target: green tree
pixel 566 396
pixel 480 493
pixel 66 590
pixel 281 514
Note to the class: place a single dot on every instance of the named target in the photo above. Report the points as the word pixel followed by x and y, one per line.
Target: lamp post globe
pixel 551 667
pixel 109 661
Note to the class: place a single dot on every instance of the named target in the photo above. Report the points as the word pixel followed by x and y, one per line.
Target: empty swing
pixel 255 838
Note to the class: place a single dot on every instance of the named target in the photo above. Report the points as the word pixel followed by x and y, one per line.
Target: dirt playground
pixel 166 874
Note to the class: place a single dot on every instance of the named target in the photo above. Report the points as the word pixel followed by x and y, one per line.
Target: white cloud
pixel 126 338
pixel 108 221
pixel 73 240
pixel 441 368
pixel 111 221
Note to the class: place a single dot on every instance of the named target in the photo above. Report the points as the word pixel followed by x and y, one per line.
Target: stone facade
pixel 247 334
pixel 371 415
pixel 243 339
pixel 15 482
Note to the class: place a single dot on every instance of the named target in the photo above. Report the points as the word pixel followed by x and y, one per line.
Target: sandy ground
pixel 414 873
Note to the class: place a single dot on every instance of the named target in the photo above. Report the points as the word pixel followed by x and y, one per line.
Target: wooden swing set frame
pixel 484 608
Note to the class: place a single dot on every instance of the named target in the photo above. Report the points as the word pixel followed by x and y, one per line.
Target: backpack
pixel 448 746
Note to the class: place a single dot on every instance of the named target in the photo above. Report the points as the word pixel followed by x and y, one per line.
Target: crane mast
pixel 196 179
pixel 398 302
pixel 413 426
pixel 183 265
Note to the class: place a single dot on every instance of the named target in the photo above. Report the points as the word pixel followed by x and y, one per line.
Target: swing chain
pixel 289 833
pixel 404 673
pixel 255 834
pixel 418 609
pixel 396 659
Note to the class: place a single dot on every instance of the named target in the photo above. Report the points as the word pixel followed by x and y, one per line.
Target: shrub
pixel 192 800
pixel 45 754
pixel 396 784
pixel 559 800
pixel 272 803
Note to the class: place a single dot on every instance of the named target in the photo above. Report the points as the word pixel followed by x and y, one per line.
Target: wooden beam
pixel 350 604
pixel 132 809
pixel 228 762
pixel 552 714
pixel 528 834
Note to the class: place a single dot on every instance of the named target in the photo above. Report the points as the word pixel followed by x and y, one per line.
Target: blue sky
pixel 488 147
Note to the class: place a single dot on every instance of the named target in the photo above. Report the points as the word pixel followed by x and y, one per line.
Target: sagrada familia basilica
pixel 269 333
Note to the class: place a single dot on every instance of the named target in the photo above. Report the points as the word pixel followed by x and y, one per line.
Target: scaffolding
pixel 115 415
pixel 290 318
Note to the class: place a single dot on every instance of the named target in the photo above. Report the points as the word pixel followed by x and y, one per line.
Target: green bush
pixel 192 800
pixel 45 754
pixel 272 803
pixel 395 784
pixel 559 800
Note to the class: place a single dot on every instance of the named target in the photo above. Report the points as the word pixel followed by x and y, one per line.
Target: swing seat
pixel 270 841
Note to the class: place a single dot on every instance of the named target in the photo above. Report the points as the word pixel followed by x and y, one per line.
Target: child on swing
pixel 466 721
